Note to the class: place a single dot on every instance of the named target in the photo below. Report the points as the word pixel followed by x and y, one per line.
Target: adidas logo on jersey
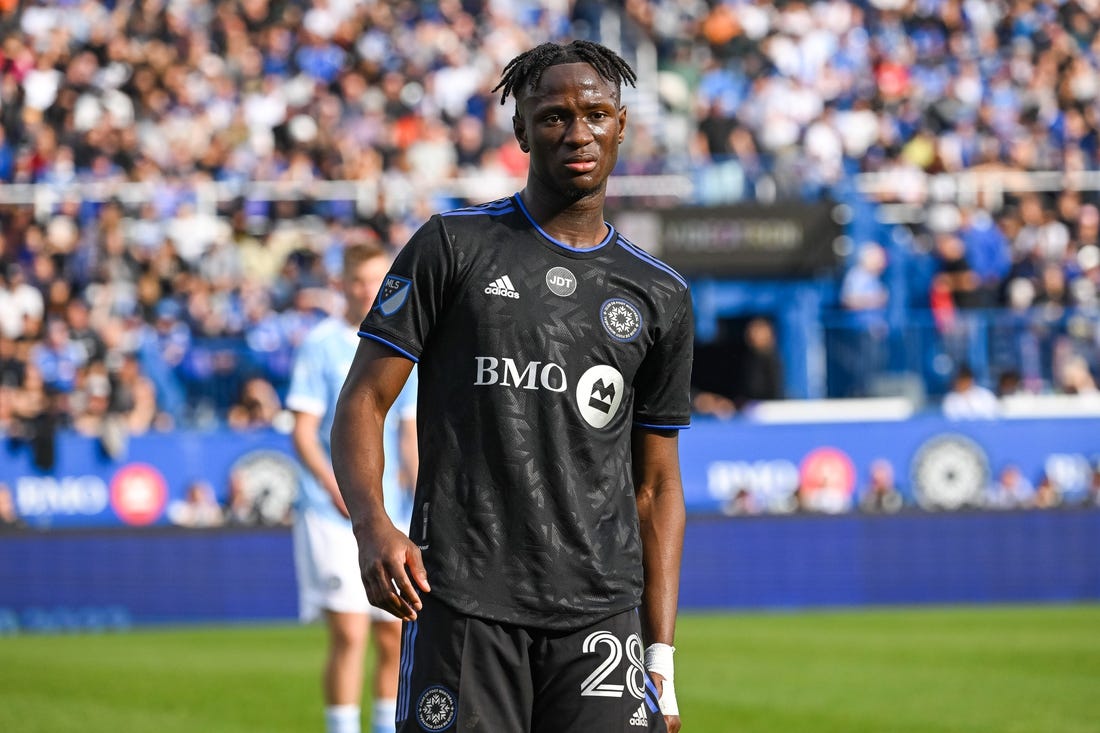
pixel 640 717
pixel 502 286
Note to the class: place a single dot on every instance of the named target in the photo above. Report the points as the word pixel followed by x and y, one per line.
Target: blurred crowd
pixel 122 312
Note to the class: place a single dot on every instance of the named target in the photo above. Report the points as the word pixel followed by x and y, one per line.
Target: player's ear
pixel 519 128
pixel 622 124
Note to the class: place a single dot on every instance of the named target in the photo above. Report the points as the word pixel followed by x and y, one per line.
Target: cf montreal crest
pixel 949 471
pixel 393 294
pixel 621 320
pixel 436 708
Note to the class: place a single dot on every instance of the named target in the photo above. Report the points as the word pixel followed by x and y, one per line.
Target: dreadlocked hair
pixel 526 69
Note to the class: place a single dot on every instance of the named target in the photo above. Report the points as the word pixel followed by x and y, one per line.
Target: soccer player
pixel 324 546
pixel 554 360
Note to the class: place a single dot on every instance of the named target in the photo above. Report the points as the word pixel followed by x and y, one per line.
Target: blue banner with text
pixel 735 467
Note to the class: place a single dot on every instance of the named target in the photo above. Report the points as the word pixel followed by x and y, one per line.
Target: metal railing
pixel 208 195
pixel 919 357
pixel 906 195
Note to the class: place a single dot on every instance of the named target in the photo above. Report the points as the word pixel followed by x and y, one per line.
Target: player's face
pixel 572 125
pixel 361 285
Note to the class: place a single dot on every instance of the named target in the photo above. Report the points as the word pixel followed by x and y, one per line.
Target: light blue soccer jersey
pixel 320 367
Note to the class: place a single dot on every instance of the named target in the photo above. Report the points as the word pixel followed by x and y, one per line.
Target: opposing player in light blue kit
pixel 324 546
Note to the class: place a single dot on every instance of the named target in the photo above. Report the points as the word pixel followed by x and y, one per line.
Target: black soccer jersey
pixel 536 361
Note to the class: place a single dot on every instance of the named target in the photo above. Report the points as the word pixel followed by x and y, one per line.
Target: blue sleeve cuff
pixel 392 345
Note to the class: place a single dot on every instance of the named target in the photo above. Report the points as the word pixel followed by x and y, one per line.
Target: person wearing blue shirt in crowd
pixel 326 556
pixel 58 358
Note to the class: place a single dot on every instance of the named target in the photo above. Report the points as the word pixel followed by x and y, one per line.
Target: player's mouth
pixel 581 165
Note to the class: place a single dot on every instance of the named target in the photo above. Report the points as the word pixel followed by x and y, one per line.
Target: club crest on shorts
pixel 621 319
pixel 436 709
pixel 393 294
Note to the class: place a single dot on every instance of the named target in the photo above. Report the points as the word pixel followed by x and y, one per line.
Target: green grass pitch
pixel 1033 669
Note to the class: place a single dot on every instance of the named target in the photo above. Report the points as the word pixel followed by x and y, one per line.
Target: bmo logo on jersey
pixel 506 373
pixel 599 392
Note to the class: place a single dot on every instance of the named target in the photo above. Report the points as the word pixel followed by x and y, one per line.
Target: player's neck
pixel 578 223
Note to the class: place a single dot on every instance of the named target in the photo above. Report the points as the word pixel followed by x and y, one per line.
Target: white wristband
pixel 658 660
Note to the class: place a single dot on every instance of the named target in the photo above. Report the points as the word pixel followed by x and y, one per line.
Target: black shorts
pixel 463 673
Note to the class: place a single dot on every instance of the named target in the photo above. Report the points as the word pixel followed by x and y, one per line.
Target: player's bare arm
pixel 313 456
pixel 661 518
pixel 389 562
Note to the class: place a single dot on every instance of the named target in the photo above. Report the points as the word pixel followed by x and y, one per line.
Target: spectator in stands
pixel 1047 494
pixel 91 400
pixel 240 510
pixel 1093 497
pixel 1074 377
pixel 864 296
pixel 1086 286
pixel 21 304
pixel 1009 383
pixel 133 396
pixel 1053 292
pixel 81 333
pixel 1012 490
pixel 11 365
pixel 756 100
pixel 36 418
pixel 987 249
pixel 9 517
pixel 8 418
pixel 762 370
pixel 863 290
pixel 955 276
pixel 257 407
pixel 881 496
pixel 198 508
pixel 742 503
pixel 969 400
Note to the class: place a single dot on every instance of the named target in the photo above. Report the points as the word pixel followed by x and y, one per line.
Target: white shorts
pixel 326 562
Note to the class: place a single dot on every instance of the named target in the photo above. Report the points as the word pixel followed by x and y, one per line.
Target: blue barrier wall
pixel 971 557
pixel 54 581
pixel 84 579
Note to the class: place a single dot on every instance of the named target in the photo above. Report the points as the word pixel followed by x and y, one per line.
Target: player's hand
pixel 672 721
pixel 392 569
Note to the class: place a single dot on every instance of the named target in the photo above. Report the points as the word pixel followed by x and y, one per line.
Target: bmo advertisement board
pixel 154 473
pixel 933 464
pixel 729 467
